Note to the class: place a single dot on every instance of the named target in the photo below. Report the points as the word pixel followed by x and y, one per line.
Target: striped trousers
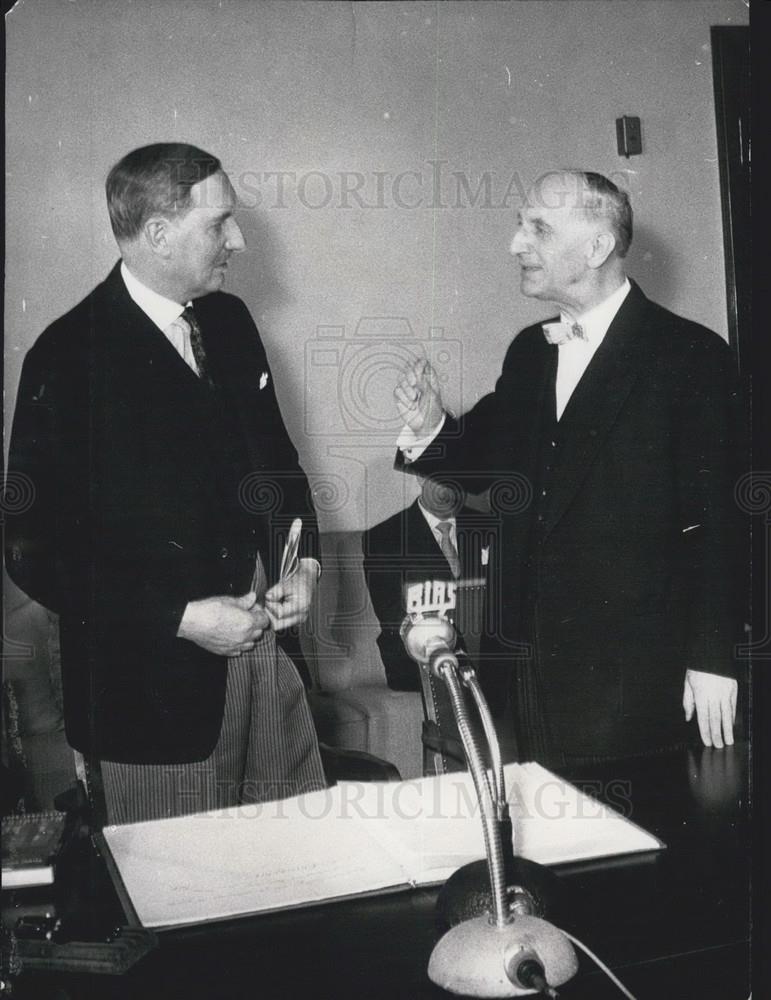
pixel 267 749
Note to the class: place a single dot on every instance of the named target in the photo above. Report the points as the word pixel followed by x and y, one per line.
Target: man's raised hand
pixel 418 398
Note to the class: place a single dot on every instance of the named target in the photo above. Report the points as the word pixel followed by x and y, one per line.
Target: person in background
pixel 436 538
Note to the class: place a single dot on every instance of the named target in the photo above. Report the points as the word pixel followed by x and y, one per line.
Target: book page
pixel 434 825
pixel 248 859
pixel 554 822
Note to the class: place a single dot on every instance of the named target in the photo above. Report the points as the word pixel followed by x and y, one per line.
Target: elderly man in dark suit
pixel 164 486
pixel 620 574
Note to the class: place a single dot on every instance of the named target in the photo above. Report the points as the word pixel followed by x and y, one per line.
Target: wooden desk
pixel 674 926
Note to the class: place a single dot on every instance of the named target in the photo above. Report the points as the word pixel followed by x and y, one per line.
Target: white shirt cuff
pixel 412 446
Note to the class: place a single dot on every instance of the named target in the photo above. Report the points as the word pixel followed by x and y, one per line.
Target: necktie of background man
pixel 448 549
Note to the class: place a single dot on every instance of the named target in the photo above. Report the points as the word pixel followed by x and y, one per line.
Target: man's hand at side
pixel 418 398
pixel 224 625
pixel 714 699
pixel 289 601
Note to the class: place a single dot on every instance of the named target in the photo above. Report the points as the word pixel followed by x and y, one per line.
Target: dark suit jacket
pixel 617 524
pixel 403 550
pixel 130 520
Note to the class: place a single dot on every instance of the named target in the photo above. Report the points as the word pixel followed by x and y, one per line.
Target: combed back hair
pixel 602 200
pixel 154 180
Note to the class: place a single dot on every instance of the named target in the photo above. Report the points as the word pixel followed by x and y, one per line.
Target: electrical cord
pixel 614 979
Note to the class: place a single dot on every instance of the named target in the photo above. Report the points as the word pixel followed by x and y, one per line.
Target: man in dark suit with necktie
pixel 436 538
pixel 164 484
pixel 620 575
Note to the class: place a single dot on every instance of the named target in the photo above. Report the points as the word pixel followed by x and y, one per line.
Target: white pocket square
pixel 264 380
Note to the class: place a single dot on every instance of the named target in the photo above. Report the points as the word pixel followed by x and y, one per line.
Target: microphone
pixel 531 889
pixel 430 641
pixel 506 952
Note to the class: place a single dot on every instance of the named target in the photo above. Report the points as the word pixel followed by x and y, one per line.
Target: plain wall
pixel 380 151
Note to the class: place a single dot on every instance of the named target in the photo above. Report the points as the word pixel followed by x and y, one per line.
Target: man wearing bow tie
pixel 620 576
pixel 164 486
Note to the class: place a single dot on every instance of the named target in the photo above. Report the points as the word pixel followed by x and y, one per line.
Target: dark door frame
pixel 731 80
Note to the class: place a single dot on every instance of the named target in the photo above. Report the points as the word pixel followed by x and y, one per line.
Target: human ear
pixel 158 235
pixel 600 249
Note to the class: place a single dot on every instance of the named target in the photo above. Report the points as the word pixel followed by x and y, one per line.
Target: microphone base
pixel 472 957
pixel 532 890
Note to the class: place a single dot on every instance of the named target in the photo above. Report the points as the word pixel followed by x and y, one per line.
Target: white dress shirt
pixel 575 354
pixel 413 445
pixel 433 521
pixel 573 360
pixel 164 313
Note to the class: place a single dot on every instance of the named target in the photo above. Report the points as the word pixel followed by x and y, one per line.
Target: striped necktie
pixel 449 551
pixel 196 345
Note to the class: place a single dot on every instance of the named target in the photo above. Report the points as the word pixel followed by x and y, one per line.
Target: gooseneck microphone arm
pixel 469 677
pixel 499 954
pixel 447 670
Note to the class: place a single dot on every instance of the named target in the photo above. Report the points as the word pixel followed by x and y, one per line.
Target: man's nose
pixel 235 241
pixel 518 243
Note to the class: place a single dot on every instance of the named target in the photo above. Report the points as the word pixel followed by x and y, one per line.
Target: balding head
pixel 597 197
pixel 574 230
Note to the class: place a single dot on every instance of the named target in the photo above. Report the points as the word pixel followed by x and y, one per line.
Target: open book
pixel 348 840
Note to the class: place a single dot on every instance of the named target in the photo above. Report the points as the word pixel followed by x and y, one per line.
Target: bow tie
pixel 558 333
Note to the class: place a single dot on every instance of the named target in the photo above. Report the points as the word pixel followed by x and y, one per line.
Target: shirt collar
pixel 432 519
pixel 158 308
pixel 596 321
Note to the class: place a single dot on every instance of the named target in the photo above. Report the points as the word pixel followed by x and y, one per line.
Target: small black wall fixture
pixel 629 136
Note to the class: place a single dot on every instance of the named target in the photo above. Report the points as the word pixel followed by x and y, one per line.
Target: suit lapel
pixel 596 402
pixel 138 340
pixel 420 540
pixel 536 386
pixel 239 374
pixel 475 532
